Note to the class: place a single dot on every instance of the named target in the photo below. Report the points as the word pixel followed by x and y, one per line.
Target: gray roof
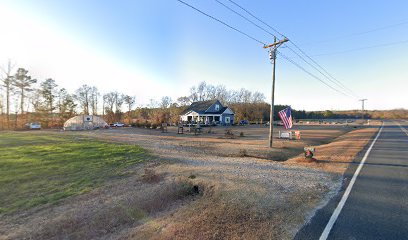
pixel 202 106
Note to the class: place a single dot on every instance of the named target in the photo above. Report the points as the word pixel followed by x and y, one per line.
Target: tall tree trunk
pixel 22 101
pixel 8 105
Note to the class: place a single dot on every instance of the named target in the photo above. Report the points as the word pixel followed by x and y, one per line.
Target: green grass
pixel 39 168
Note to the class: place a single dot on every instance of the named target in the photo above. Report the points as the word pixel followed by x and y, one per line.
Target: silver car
pixel 34 125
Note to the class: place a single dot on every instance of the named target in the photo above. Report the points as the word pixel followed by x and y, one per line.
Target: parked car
pixel 243 122
pixel 117 124
pixel 34 126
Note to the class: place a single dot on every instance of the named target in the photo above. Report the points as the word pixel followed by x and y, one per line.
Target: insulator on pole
pixel 271 54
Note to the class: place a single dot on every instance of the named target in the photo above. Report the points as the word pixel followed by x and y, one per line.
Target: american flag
pixel 286 116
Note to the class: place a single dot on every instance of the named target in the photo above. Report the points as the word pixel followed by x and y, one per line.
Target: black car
pixel 243 122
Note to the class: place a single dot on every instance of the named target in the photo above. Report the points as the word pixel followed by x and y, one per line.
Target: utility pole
pixel 362 111
pixel 272 55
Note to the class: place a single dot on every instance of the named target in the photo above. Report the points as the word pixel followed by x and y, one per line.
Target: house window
pixel 217 107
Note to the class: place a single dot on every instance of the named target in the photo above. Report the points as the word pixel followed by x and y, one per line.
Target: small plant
pixel 210 130
pixel 241 134
pixel 243 153
pixel 150 176
pixel 228 133
pixel 192 176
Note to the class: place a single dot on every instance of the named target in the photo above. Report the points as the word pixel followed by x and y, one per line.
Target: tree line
pixel 25 99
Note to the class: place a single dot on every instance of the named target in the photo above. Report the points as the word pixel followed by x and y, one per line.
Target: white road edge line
pixel 346 194
pixel 402 128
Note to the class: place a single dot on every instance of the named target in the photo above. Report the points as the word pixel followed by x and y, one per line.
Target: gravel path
pixel 244 182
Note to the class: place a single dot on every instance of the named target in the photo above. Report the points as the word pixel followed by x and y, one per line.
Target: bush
pixel 150 176
pixel 243 153
pixel 228 133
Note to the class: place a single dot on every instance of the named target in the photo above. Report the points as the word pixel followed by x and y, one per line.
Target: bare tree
pixel 222 93
pixel 129 101
pixel 258 97
pixel 119 99
pixel 201 91
pixel 104 100
pixel 245 95
pixel 1 104
pixel 113 105
pixel 109 99
pixel 165 102
pixel 7 83
pixel 83 96
pixel 183 101
pixel 153 103
pixel 94 95
pixel 211 92
pixel 23 83
pixel 193 94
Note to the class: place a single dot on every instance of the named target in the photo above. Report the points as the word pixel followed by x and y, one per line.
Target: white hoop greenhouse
pixel 85 122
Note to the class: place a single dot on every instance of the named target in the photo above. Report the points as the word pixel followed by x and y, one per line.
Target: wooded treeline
pixel 24 99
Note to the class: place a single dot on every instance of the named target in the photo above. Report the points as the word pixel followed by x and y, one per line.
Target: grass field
pixel 40 168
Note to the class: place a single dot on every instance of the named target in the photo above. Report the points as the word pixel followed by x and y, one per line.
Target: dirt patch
pixel 254 143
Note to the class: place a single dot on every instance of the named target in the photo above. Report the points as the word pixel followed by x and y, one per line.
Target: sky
pixel 155 48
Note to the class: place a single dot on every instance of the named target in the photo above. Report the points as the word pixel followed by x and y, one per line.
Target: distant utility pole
pixel 272 55
pixel 362 113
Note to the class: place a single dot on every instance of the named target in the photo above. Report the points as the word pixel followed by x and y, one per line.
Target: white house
pixel 208 112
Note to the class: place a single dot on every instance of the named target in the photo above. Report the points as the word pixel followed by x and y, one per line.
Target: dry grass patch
pixel 336 156
pixel 244 211
pixel 103 214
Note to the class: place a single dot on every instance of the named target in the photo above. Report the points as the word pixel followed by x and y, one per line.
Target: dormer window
pixel 217 107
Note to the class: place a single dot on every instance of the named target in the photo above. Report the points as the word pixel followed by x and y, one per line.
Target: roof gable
pixel 228 110
pixel 199 107
pixel 205 107
pixel 214 108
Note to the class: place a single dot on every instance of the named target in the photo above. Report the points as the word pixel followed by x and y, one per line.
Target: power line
pixel 325 74
pixel 249 36
pixel 296 46
pixel 331 76
pixel 216 19
pixel 360 33
pixel 311 74
pixel 252 15
pixel 362 48
pixel 239 14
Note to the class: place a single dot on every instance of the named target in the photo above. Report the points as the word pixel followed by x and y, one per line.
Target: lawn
pixel 37 168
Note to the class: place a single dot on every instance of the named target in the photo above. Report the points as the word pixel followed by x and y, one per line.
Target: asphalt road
pixel 377 206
